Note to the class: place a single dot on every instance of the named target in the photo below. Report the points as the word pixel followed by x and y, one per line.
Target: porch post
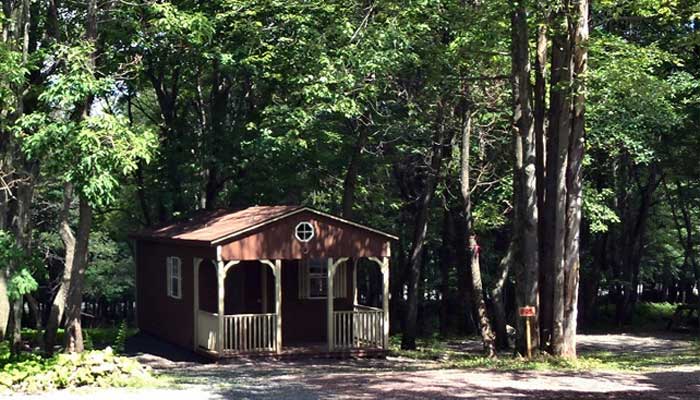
pixel 354 282
pixel 278 305
pixel 220 276
pixel 329 303
pixel 384 265
pixel 277 272
pixel 196 262
pixel 330 296
pixel 221 270
pixel 385 300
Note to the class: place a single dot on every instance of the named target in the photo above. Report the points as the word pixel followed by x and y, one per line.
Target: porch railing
pixel 250 332
pixel 361 328
pixel 242 332
pixel 207 328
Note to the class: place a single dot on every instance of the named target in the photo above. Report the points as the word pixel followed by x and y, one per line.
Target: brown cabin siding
pixel 304 320
pixel 332 239
pixel 158 314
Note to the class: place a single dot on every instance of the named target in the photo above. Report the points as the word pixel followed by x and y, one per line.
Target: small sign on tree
pixel 527 312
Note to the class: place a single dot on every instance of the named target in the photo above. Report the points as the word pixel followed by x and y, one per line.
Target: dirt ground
pixel 398 378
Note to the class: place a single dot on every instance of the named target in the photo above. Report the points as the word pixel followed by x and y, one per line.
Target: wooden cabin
pixel 257 281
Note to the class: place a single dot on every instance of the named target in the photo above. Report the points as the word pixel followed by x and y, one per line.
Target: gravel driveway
pixel 398 378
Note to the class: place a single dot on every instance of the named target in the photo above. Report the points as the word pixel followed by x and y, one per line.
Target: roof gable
pixel 221 226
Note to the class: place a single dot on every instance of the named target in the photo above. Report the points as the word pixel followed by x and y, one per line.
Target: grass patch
pixel 645 361
pixel 445 356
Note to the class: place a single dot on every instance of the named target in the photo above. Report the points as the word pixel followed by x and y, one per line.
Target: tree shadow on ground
pixel 143 344
pixel 397 378
pixel 364 379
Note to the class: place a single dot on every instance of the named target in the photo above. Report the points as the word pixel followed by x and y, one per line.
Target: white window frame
pixel 174 271
pixel 304 224
pixel 322 276
pixel 340 281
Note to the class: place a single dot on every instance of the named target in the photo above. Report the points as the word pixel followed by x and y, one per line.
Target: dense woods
pixel 525 152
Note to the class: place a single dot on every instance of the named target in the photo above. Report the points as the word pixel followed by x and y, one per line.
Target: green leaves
pixel 632 103
pixel 93 152
pixel 596 209
pixel 194 28
pixel 76 81
pixel 22 266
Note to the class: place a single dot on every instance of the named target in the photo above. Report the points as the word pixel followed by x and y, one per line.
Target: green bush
pixel 93 338
pixel 653 313
pixel 646 317
pixel 32 373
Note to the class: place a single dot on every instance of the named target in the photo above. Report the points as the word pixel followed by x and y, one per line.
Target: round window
pixel 304 231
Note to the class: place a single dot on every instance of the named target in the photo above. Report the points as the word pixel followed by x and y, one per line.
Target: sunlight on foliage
pixel 32 373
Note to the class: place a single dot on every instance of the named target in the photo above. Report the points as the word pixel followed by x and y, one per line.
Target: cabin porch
pixel 281 308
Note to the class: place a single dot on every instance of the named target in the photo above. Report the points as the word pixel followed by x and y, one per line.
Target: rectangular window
pixel 174 272
pixel 313 279
pixel 318 278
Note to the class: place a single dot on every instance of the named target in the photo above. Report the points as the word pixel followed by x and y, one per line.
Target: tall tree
pixel 90 153
pixel 487 335
pixel 440 140
pixel 525 218
pixel 574 176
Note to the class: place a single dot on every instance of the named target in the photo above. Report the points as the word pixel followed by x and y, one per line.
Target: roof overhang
pixel 232 236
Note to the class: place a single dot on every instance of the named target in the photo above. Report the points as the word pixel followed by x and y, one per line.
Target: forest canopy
pixel 524 152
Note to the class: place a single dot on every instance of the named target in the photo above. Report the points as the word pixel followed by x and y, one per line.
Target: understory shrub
pixel 93 338
pixel 32 373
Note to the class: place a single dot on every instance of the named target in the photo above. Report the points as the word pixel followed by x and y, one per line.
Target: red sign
pixel 528 311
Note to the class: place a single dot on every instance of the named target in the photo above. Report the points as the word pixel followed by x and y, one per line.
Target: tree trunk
pixel 17 197
pixel 4 270
pixel 458 230
pixel 15 325
pixel 557 160
pixel 545 277
pixel 487 336
pixel 499 309
pixel 5 165
pixel 590 284
pixel 22 229
pixel 420 232
pixel 397 280
pixel 74 299
pixel 574 179
pixel 4 303
pixel 74 291
pixel 59 301
pixel 350 182
pixel 33 311
pixel 635 221
pixel 525 180
pixel 445 264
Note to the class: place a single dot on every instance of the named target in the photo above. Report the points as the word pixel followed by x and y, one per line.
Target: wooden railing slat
pixel 250 332
pixel 359 328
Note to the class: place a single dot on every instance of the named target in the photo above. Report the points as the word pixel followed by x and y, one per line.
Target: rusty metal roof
pixel 214 227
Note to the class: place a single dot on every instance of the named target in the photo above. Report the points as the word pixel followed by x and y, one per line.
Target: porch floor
pixel 301 350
